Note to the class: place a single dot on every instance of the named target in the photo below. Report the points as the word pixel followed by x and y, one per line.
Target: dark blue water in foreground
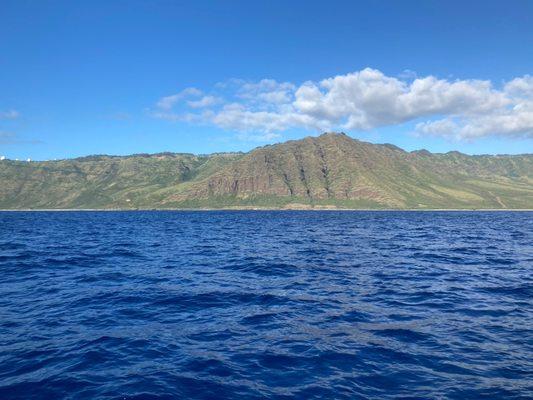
pixel 359 305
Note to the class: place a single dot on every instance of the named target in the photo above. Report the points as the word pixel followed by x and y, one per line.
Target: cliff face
pixel 329 170
pixel 331 166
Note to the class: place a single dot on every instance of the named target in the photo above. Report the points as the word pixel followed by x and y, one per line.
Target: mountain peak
pixel 333 134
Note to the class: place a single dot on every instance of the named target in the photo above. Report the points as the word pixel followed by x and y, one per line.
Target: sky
pixel 123 77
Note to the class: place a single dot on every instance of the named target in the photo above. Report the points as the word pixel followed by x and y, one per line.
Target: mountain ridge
pixel 163 153
pixel 332 170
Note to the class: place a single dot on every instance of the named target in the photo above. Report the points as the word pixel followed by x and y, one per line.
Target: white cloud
pixel 9 114
pixel 441 127
pixel 205 101
pixel 238 117
pixel 166 103
pixel 368 99
pixel 268 91
pixel 520 87
pixel 514 122
pixel 362 100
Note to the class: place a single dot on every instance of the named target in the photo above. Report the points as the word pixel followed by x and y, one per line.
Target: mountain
pixel 332 170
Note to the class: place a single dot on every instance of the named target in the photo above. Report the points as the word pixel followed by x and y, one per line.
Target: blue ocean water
pixel 260 304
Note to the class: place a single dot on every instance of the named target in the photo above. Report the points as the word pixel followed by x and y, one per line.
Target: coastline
pixel 266 209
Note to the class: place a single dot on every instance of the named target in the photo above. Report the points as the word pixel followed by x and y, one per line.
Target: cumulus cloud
pixel 361 101
pixel 521 87
pixel 514 122
pixel 267 91
pixel 9 114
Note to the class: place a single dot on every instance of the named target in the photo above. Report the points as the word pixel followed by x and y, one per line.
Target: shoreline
pixel 267 209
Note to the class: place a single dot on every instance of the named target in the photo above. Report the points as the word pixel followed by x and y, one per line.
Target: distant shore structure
pixel 2 158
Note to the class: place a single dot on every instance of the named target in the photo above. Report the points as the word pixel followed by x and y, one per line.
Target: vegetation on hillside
pixel 331 170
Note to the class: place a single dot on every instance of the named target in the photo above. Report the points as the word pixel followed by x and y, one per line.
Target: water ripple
pixel 281 305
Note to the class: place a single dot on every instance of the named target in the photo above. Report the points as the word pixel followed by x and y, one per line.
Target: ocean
pixel 266 305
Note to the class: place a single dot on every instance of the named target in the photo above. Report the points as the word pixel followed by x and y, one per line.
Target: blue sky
pixel 122 77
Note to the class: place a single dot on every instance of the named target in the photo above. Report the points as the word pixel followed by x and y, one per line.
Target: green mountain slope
pixel 101 181
pixel 331 170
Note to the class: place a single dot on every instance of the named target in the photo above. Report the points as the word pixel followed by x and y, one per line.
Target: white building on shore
pixel 2 158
